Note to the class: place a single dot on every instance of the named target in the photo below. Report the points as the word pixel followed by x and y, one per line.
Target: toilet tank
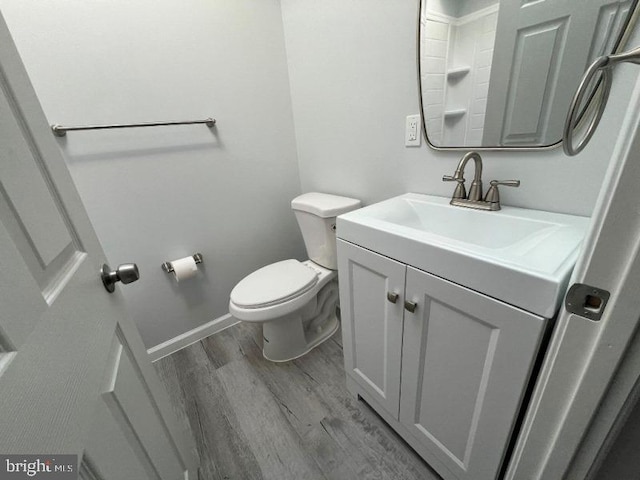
pixel 316 214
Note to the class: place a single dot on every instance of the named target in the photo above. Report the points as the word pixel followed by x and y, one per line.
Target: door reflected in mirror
pixel 502 74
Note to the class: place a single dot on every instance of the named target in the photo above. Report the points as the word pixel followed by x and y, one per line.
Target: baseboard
pixel 192 336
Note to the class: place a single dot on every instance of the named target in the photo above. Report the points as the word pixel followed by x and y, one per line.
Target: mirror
pixel 501 74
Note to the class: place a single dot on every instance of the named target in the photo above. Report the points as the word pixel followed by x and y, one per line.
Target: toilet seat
pixel 285 306
pixel 274 284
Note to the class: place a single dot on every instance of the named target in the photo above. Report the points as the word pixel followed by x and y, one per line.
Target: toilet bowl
pixel 296 301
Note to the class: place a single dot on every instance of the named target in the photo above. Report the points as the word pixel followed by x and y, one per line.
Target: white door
pixel 542 49
pixel 74 375
pixel 372 321
pixel 466 362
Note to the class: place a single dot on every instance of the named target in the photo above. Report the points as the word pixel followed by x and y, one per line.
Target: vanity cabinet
pixel 446 366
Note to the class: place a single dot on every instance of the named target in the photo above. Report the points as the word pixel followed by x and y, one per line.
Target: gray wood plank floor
pixel 254 419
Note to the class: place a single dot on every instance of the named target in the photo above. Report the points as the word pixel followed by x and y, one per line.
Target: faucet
pixel 474 199
pixel 475 192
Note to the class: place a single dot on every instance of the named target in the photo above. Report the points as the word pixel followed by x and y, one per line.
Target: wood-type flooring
pixel 254 419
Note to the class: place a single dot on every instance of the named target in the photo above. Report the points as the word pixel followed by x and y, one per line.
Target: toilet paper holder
pixel 168 268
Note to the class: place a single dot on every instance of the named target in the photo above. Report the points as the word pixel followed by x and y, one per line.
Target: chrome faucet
pixel 474 199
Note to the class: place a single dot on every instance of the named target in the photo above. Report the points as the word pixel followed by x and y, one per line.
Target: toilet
pixel 296 301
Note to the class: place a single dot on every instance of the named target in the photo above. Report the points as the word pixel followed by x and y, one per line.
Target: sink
pixel 434 216
pixel 520 256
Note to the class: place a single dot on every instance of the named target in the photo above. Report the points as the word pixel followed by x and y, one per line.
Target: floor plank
pixel 269 432
pixel 255 419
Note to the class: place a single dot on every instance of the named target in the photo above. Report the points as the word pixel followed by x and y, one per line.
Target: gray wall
pixel 352 70
pixel 163 193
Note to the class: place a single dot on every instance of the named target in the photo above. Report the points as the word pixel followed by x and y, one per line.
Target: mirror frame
pixel 620 43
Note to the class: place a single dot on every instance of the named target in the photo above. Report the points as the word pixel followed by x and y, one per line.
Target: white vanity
pixel 443 313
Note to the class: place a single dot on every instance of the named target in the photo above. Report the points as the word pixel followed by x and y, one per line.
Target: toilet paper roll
pixel 184 268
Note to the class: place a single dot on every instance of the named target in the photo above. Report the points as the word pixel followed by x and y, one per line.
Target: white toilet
pixel 296 301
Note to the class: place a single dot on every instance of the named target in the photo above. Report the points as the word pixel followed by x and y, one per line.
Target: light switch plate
pixel 412 135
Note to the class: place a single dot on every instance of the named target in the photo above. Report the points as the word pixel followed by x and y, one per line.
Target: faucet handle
pixel 506 183
pixel 493 195
pixel 460 191
pixel 449 178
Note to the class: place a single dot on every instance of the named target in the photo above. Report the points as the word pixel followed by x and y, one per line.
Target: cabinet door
pixel 371 323
pixel 466 362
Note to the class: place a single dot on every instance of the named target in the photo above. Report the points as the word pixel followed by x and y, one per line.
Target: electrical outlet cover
pixel 412 135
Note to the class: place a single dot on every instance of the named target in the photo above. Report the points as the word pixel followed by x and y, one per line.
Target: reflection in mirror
pixel 502 74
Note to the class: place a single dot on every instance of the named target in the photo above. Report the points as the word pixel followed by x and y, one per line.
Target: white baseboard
pixel 192 336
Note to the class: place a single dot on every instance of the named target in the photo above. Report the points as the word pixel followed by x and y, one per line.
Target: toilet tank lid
pixel 324 205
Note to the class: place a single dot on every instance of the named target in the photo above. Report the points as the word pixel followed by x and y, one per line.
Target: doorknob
pixel 125 273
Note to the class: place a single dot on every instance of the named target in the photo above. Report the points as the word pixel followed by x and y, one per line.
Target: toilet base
pixel 285 339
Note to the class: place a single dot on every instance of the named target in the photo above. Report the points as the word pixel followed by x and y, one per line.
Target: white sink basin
pixel 522 257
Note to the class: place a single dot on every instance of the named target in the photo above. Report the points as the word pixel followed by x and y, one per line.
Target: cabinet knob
pixel 410 306
pixel 392 297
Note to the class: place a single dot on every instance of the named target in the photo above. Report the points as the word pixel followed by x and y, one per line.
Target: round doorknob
pixel 125 273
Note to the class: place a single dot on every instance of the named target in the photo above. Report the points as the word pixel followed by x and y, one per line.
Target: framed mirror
pixel 497 74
